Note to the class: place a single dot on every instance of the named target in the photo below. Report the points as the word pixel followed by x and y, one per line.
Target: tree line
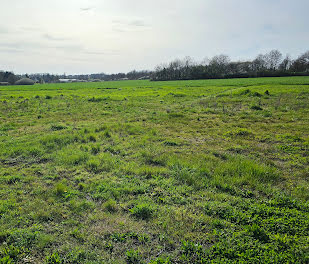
pixel 8 77
pixel 271 64
pixel 11 78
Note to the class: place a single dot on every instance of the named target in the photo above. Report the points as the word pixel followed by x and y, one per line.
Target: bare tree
pixel 273 58
pixel 285 64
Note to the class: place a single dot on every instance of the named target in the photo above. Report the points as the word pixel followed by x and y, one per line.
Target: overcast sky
pixel 88 36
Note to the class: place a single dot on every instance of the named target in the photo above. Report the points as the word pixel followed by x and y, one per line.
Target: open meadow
pixel 206 171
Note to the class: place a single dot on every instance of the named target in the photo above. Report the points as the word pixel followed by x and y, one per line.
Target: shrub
pixel 24 81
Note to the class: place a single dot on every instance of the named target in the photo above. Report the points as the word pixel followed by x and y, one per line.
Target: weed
pixel 61 190
pixel 241 132
pixel 95 149
pixel 133 257
pixel 54 259
pixel 258 233
pixel 256 107
pixel 10 254
pixel 110 206
pixel 143 211
pixel 92 138
pixel 57 127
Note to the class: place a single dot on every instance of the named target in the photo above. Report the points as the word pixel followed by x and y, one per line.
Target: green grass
pixel 210 171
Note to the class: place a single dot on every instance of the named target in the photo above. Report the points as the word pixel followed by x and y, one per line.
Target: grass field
pixel 212 171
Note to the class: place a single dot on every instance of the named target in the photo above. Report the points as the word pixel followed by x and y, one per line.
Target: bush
pixel 24 81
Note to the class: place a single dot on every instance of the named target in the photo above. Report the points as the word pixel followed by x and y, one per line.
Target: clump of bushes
pixel 24 81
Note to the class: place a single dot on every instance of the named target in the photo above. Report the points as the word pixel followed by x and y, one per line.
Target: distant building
pixel 68 80
pixel 144 78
